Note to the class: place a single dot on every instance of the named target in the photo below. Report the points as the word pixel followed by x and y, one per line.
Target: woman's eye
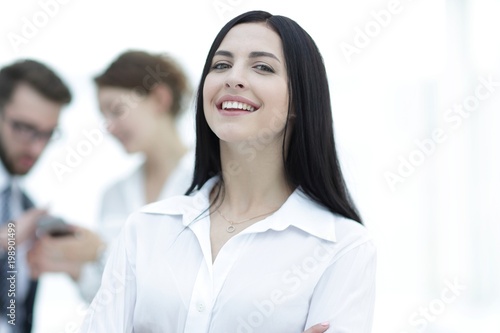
pixel 220 65
pixel 22 127
pixel 117 112
pixel 264 68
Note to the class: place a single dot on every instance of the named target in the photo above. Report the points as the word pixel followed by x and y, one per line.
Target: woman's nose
pixel 236 79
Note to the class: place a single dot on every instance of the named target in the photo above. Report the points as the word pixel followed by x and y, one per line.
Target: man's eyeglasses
pixel 28 133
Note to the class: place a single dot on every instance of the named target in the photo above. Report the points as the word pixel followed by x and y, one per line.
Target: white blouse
pixel 298 267
pixel 118 202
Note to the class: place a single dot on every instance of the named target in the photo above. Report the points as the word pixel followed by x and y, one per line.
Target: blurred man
pixel 31 98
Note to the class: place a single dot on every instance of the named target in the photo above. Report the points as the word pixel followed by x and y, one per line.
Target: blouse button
pixel 201 307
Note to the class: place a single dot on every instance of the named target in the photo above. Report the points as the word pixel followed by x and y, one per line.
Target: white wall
pixel 437 226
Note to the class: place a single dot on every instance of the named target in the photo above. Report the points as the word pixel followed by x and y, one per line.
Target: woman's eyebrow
pixel 257 54
pixel 254 54
pixel 224 53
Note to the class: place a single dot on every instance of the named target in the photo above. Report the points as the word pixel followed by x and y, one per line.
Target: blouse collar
pixel 298 211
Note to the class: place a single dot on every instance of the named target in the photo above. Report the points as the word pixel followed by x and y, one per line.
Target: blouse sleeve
pixel 345 294
pixel 112 309
pixel 108 228
pixel 90 277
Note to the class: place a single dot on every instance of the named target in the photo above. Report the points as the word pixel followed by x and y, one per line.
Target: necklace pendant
pixel 230 228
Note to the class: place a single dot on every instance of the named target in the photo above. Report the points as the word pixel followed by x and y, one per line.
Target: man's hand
pixel 82 246
pixel 64 254
pixel 318 328
pixel 41 261
pixel 25 227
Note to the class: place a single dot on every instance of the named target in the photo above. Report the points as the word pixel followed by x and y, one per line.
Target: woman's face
pixel 130 117
pixel 245 96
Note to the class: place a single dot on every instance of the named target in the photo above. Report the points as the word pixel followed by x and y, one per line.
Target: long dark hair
pixel 311 161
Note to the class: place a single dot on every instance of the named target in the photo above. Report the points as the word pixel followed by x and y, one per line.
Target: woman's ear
pixel 162 95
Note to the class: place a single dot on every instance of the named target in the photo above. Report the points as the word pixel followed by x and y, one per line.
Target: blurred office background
pixel 415 90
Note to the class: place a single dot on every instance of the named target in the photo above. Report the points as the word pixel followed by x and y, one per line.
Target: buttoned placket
pixel 211 277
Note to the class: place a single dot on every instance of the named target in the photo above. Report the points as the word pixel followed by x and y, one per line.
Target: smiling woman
pixel 245 82
pixel 269 242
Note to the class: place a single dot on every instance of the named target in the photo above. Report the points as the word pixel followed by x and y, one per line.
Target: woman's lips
pixel 232 103
pixel 27 161
pixel 233 112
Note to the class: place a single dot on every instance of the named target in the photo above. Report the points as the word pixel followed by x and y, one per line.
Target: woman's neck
pixel 252 183
pixel 161 158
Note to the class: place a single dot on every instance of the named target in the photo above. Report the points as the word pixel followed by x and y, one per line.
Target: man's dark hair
pixel 38 76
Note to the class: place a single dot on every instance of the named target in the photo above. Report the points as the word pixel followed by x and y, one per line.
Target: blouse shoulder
pixel 351 234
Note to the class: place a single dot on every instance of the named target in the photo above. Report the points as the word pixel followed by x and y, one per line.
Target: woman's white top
pixel 119 201
pixel 300 266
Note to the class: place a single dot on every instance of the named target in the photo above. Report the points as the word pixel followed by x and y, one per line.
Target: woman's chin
pixel 232 138
pixel 130 149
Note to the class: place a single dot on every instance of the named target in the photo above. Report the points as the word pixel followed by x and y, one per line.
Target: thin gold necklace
pixel 230 228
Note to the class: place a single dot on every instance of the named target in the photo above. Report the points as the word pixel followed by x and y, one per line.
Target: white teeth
pixel 237 105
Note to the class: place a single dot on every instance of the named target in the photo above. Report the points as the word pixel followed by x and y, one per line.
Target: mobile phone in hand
pixel 53 226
